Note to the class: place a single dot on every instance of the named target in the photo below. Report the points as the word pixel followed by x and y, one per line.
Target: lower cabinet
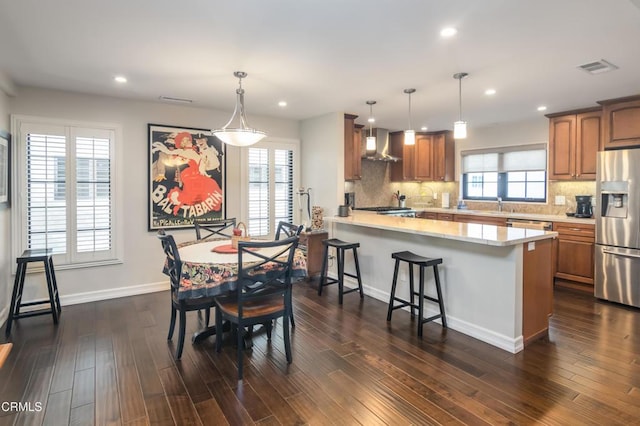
pixel 312 242
pixel 575 250
pixel 484 220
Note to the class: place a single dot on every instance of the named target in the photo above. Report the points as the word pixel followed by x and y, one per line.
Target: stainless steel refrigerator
pixel 617 257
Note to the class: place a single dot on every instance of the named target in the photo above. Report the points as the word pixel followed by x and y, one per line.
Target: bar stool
pixel 423 262
pixel 341 247
pixel 39 255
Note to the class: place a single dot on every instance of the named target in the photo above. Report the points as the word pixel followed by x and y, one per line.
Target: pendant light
pixel 409 134
pixel 371 140
pixel 460 127
pixel 243 135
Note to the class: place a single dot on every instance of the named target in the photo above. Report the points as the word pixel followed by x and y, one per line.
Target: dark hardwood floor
pixel 110 363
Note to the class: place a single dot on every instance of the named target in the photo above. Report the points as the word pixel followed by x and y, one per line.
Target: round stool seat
pixel 407 256
pixel 334 242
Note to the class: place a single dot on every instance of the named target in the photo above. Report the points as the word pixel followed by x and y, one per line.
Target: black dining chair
pixel 286 230
pixel 263 291
pixel 212 228
pixel 173 268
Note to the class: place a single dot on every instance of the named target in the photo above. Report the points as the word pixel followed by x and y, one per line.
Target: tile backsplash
pixel 376 189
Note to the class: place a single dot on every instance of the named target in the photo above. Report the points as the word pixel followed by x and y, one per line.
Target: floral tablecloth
pixel 206 273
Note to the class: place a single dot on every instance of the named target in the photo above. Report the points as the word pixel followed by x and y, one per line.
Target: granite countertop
pixel 514 215
pixel 468 232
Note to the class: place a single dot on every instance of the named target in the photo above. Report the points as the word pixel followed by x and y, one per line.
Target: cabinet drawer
pixel 575 230
pixel 426 215
pixel 445 216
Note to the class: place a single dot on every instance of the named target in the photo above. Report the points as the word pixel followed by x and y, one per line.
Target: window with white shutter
pixel 66 190
pixel 270 186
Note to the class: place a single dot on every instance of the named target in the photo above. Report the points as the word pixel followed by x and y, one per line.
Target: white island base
pixel 497 282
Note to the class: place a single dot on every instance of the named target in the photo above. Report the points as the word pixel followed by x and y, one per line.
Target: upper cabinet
pixel 432 158
pixel 621 122
pixel 352 148
pixel 574 140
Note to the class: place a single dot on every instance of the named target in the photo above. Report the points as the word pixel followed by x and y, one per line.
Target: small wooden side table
pixel 39 255
pixel 312 240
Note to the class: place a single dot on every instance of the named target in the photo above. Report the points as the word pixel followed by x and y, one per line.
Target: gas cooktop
pixel 382 209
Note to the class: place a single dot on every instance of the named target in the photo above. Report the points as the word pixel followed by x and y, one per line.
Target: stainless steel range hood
pixel 382 146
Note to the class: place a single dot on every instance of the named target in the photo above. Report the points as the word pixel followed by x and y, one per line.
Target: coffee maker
pixel 583 206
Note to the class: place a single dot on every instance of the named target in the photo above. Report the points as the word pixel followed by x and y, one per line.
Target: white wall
pixel 142 253
pixel 323 160
pixel 520 133
pixel 6 282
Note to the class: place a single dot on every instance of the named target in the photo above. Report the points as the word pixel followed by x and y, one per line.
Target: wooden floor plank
pixel 58 408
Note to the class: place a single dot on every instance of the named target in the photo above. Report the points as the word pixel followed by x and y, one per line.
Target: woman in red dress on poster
pixel 197 185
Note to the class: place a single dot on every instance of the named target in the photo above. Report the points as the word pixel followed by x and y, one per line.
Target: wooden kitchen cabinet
pixel 435 216
pixel 432 158
pixel 621 122
pixel 484 220
pixel 574 141
pixel 352 148
pixel 446 216
pixel 312 243
pixel 575 250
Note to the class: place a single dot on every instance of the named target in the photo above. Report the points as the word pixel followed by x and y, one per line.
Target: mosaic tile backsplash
pixel 376 189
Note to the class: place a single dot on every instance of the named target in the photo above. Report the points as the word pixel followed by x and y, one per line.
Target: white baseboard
pixel 495 339
pixel 113 293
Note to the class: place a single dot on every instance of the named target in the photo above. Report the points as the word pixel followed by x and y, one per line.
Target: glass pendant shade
pixel 243 135
pixel 370 146
pixel 460 126
pixel 409 134
pixel 460 130
pixel 409 137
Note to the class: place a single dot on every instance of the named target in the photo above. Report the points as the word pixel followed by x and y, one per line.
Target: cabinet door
pixel 443 156
pixel 349 128
pixel 621 123
pixel 587 144
pixel 423 163
pixel 396 148
pixel 562 142
pixel 357 150
pixel 575 260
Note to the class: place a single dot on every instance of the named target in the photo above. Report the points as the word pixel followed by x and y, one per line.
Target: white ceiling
pixel 331 55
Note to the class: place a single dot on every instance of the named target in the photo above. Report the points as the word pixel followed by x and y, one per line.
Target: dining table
pixel 210 268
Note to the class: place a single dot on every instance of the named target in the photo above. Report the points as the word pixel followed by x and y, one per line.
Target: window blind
pixel 506 159
pixel 258 197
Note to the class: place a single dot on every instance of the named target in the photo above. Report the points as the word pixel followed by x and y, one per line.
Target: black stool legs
pixel 422 262
pixel 18 288
pixel 340 247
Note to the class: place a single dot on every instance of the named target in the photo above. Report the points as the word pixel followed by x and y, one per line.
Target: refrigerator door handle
pixel 621 254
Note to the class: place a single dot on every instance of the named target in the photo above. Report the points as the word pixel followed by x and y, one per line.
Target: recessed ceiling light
pixel 490 92
pixel 542 108
pixel 282 104
pixel 120 79
pixel 448 32
pixel 424 128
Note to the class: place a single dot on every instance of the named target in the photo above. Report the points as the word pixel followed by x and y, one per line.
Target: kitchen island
pixel 497 282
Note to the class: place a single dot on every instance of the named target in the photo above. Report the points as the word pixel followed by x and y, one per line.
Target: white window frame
pixel 69 260
pixel 270 144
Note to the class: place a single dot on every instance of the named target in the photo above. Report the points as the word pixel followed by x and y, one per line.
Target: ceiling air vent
pixel 172 99
pixel 598 67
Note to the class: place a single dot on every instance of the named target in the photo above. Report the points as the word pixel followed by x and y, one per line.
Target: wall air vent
pixel 598 67
pixel 178 100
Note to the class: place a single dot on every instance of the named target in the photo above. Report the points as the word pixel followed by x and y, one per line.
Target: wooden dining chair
pixel 212 228
pixel 174 270
pixel 263 291
pixel 286 230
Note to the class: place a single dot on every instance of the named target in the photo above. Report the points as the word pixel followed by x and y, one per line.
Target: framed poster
pixel 186 176
pixel 5 167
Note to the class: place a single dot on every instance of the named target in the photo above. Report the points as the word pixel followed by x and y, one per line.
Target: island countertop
pixel 469 232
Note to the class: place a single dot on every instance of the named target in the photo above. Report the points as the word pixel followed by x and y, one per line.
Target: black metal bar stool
pixel 423 262
pixel 40 255
pixel 341 247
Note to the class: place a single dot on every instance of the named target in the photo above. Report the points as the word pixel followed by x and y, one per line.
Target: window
pixel 66 180
pixel 270 184
pixel 514 174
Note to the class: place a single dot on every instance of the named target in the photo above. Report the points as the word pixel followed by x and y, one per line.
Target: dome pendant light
pixel 243 135
pixel 460 127
pixel 371 140
pixel 409 134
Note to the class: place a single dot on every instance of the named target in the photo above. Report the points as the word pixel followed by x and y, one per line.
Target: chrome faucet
pixel 499 204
